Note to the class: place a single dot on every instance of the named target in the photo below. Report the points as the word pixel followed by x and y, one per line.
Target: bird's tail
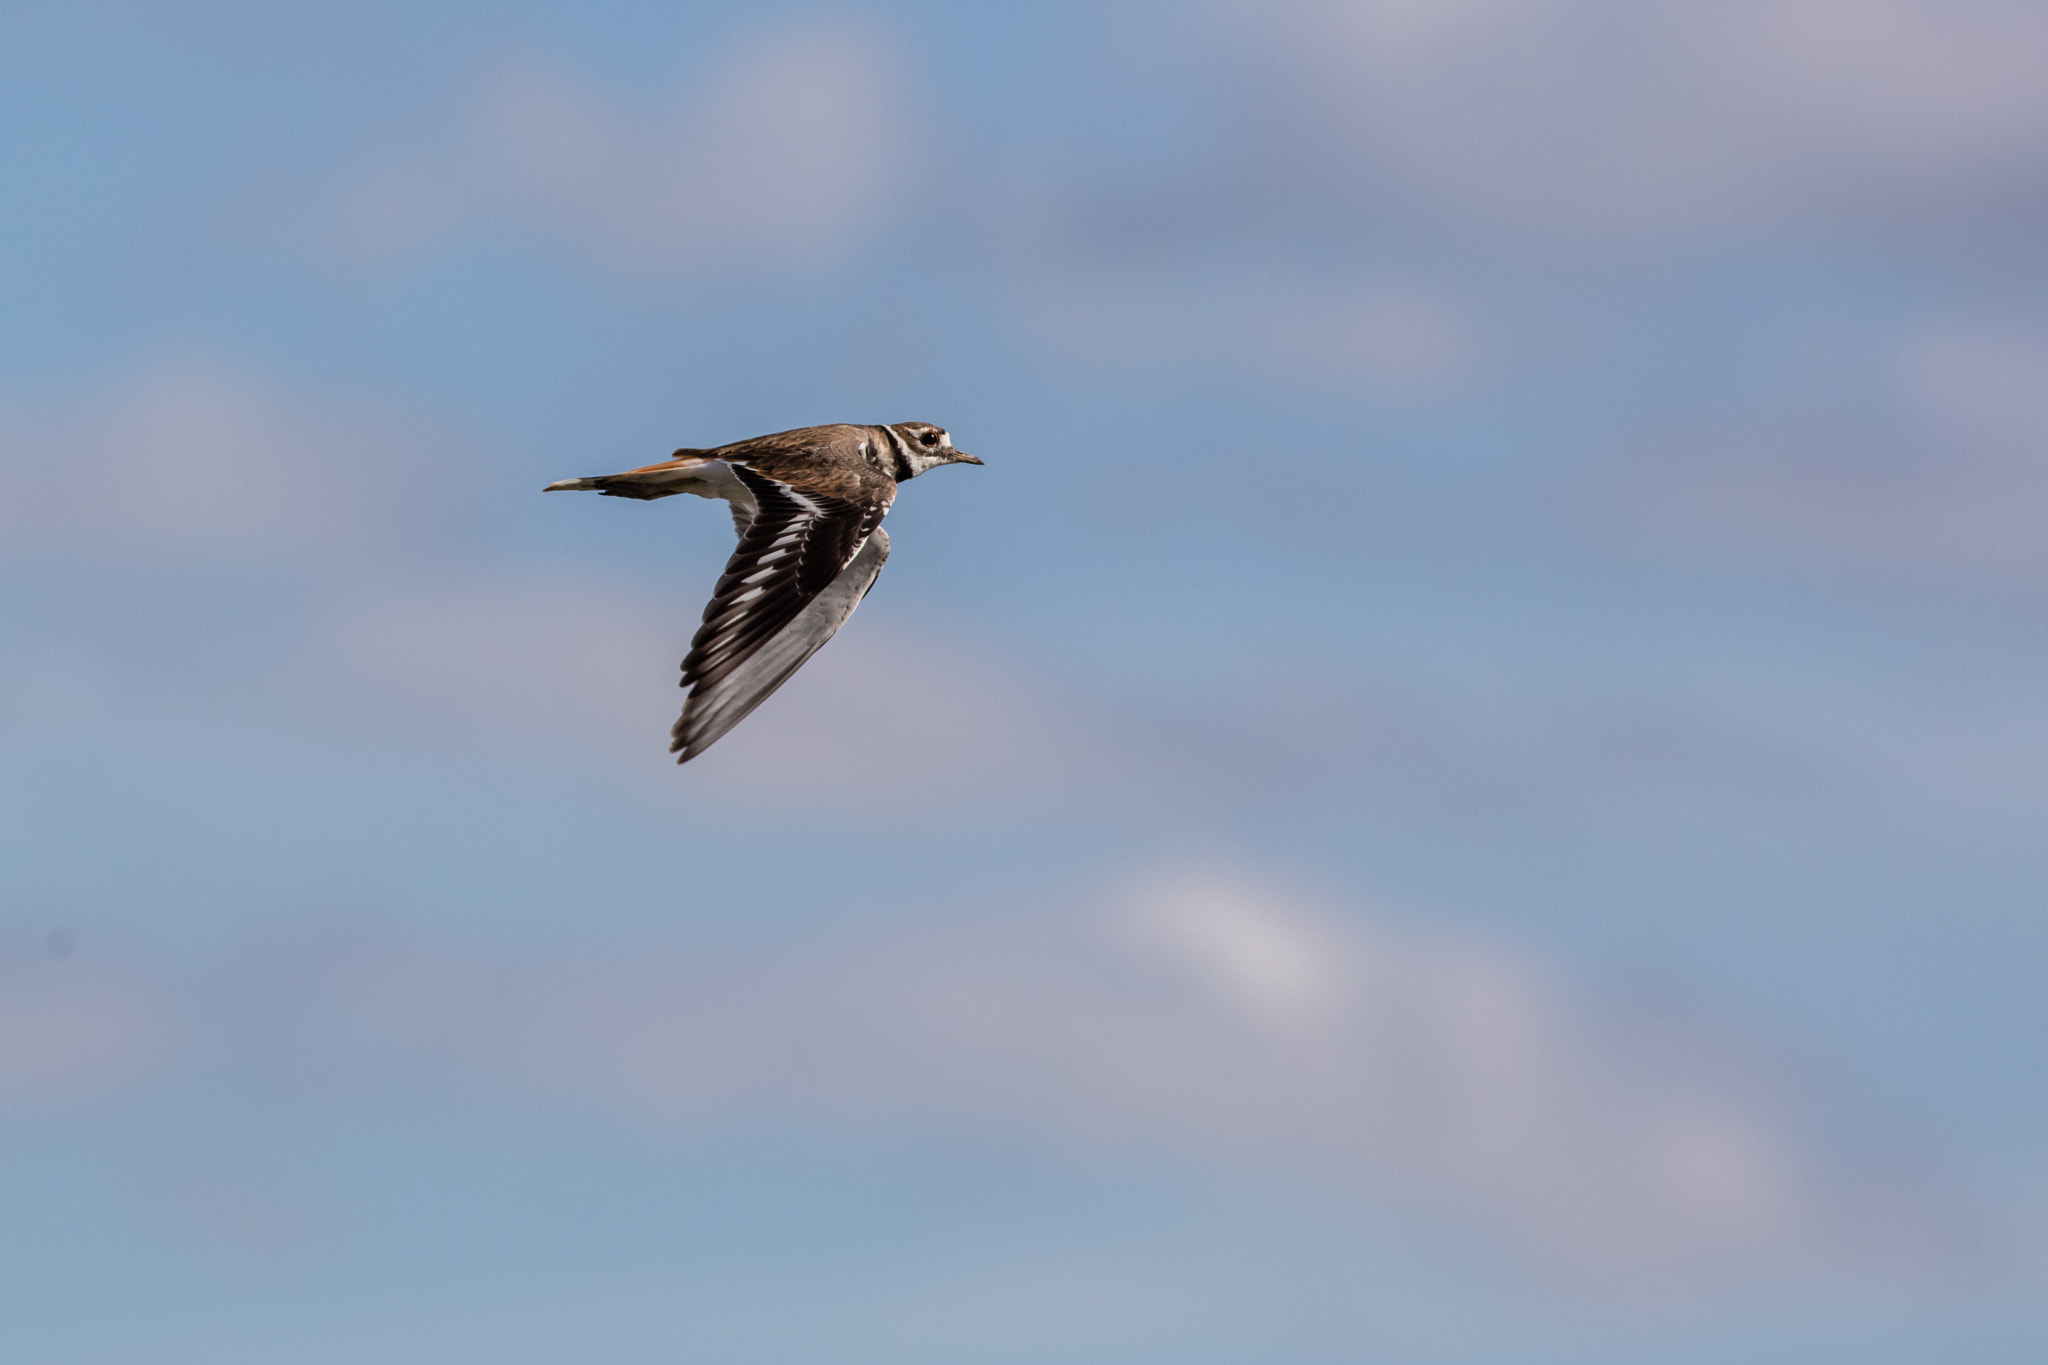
pixel 651 481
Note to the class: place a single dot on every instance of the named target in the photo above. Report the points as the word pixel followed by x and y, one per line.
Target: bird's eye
pixel 930 438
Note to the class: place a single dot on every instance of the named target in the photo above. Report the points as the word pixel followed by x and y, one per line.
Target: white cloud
pixel 1603 115
pixel 1953 484
pixel 1984 383
pixel 70 1029
pixel 788 152
pixel 1399 336
pixel 1280 967
pixel 195 459
pixel 1200 1019
pixel 504 658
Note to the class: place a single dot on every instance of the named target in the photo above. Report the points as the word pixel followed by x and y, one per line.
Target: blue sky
pixel 1465 786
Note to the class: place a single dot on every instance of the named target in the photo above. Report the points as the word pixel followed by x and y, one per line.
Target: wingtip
pixel 682 747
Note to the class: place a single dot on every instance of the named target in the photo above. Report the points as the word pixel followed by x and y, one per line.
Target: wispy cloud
pixel 1193 1018
pixel 1981 385
pixel 1946 481
pixel 787 151
pixel 515 658
pixel 1394 336
pixel 1596 116
pixel 71 1029
pixel 1357 159
pixel 194 459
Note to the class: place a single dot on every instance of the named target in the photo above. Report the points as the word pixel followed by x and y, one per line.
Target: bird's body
pixel 808 505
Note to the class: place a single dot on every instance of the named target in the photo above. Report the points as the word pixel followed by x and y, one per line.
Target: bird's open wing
pixel 803 564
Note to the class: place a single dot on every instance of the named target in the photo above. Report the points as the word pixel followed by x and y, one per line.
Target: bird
pixel 807 506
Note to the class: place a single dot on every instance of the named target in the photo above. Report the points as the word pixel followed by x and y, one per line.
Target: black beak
pixel 962 457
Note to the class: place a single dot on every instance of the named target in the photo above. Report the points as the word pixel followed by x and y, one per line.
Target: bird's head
pixel 921 446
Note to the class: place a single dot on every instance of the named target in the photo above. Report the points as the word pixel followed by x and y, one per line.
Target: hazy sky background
pixel 1467 787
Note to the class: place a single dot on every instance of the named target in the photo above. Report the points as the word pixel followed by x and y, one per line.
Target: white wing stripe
pixel 717 708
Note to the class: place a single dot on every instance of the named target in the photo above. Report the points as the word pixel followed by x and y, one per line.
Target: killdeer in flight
pixel 808 506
